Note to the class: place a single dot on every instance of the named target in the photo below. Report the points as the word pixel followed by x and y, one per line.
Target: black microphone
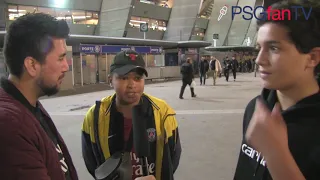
pixel 140 137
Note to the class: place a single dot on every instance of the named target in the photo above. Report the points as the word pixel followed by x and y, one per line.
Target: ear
pixel 314 57
pixel 32 66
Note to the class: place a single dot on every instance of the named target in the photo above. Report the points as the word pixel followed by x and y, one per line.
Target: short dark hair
pixel 303 33
pixel 31 35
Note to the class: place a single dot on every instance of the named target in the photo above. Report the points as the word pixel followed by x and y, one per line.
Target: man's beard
pixel 45 89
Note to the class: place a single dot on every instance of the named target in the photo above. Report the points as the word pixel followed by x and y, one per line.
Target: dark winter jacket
pixel 27 152
pixel 187 72
pixel 203 66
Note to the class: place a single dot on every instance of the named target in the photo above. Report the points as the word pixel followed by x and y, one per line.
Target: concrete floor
pixel 210 125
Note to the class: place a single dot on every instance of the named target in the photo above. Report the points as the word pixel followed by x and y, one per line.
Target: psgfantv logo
pixel 261 13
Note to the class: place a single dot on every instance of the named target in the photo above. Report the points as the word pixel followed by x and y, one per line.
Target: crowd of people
pixel 211 66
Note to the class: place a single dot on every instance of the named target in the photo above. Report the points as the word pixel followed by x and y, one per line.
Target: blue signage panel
pixel 114 49
pixel 142 49
pixel 90 48
pixel 156 50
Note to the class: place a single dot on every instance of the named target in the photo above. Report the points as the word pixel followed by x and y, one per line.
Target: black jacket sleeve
pixel 173 141
pixel 87 145
pixel 176 151
pixel 87 154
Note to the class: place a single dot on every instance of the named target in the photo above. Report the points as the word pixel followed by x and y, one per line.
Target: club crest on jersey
pixel 151 134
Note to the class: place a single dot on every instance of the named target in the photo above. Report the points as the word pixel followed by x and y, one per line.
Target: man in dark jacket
pixel 235 65
pixel 203 69
pixel 227 66
pixel 187 78
pixel 32 148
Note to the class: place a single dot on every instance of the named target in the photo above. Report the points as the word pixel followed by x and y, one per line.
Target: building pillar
pixel 2 15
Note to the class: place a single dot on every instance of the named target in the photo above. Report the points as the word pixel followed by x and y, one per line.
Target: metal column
pixel 81 71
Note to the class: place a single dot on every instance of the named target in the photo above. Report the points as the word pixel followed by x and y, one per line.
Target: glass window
pixel 144 20
pixel 95 15
pixel 198 32
pixel 63 14
pixel 13 12
pixel 163 3
pixel 91 17
pixel 154 24
pixel 49 11
pixel 72 17
pixel 135 18
pixel 135 22
pixel 79 17
pixel 12 8
pixel 27 9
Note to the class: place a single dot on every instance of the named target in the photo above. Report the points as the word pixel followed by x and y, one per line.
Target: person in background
pixel 31 146
pixel 227 66
pixel 203 69
pixel 281 126
pixel 113 115
pixel 235 66
pixel 187 78
pixel 215 68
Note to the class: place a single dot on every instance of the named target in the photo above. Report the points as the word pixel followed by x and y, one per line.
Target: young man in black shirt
pixel 281 126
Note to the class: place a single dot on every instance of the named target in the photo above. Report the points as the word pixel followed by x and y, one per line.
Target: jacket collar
pixel 13 91
pixel 110 101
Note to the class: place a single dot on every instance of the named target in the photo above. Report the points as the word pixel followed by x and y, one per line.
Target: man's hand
pixel 146 178
pixel 267 131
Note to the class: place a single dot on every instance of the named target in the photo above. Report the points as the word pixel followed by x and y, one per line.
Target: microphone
pixel 223 11
pixel 140 137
